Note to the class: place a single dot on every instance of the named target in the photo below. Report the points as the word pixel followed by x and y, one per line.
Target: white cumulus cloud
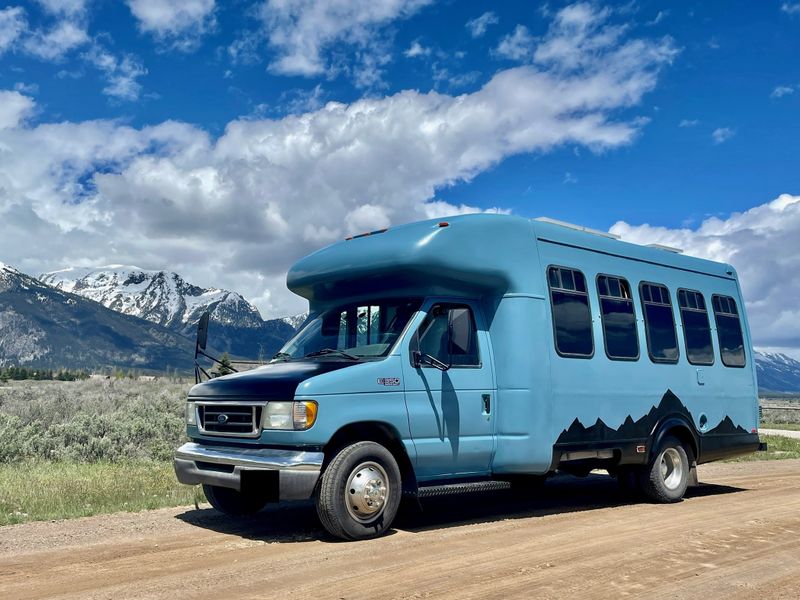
pixel 477 27
pixel 763 244
pixel 54 43
pixel 12 25
pixel 722 134
pixel 302 33
pixel 14 107
pixel 517 45
pixel 121 73
pixel 782 90
pixel 68 8
pixel 178 23
pixel 416 49
pixel 237 210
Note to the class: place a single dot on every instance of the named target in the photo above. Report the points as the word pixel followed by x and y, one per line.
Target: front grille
pixel 241 420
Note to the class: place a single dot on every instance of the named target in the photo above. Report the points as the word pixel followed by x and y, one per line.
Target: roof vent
pixel 604 234
pixel 666 248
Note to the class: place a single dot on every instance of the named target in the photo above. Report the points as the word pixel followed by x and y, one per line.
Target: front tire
pixel 667 474
pixel 359 492
pixel 233 503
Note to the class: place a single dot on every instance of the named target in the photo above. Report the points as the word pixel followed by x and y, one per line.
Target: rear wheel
pixel 232 502
pixel 359 492
pixel 667 474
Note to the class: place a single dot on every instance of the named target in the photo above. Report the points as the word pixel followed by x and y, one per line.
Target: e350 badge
pixel 388 381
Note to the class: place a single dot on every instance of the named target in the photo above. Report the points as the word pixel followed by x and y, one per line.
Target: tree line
pixel 22 373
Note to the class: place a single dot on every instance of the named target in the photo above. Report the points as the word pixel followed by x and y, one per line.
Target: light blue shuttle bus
pixel 478 352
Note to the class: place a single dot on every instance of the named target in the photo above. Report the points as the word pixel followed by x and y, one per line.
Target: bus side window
pixel 729 331
pixel 572 317
pixel 618 317
pixel 659 323
pixel 696 329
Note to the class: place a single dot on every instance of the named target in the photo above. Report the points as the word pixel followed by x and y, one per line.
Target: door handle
pixel 487 403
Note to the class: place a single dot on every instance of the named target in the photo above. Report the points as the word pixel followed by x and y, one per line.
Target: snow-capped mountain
pixel 161 297
pixel 296 321
pixel 165 298
pixel 777 372
pixel 43 326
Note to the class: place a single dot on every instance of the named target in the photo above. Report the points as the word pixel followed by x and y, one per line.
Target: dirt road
pixel 737 536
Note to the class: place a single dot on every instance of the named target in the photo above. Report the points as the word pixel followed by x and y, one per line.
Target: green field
pixel 784 426
pixel 71 449
pixel 778 447
pixel 39 491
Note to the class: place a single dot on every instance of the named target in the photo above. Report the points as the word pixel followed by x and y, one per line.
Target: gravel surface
pixel 736 536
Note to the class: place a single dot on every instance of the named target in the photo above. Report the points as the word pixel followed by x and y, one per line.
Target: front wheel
pixel 359 492
pixel 666 476
pixel 233 503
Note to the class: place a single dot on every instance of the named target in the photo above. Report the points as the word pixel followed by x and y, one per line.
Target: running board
pixel 462 488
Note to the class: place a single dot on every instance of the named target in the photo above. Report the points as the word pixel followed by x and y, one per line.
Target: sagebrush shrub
pixel 89 421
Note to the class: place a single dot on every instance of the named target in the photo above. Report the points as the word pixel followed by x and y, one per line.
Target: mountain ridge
pixel 166 298
pixel 777 372
pixel 47 327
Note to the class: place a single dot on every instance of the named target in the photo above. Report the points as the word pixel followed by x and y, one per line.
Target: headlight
pixel 289 415
pixel 191 413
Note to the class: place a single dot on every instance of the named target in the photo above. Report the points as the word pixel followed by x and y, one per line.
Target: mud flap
pixel 693 481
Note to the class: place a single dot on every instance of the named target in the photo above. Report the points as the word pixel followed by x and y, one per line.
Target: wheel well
pixel 681 431
pixel 380 433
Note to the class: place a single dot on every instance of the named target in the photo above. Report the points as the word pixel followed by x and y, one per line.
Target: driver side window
pixel 449 335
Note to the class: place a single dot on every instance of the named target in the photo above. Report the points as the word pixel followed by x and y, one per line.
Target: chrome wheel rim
pixel 671 467
pixel 366 491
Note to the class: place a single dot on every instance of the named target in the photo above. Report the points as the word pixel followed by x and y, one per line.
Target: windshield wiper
pixel 325 351
pixel 283 355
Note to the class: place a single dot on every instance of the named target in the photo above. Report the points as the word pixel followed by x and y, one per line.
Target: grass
pixel 778 447
pixel 39 491
pixel 784 426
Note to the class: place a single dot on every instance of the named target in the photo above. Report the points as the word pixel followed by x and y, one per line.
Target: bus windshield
pixel 360 330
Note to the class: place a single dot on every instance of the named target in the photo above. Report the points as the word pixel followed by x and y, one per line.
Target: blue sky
pixel 134 129
pixel 733 55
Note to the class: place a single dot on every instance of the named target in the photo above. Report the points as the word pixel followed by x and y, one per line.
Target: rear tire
pixel 233 503
pixel 666 476
pixel 359 492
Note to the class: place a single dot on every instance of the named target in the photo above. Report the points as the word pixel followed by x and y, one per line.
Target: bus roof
pixel 480 253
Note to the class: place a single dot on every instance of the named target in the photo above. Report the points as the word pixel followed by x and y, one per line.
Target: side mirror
pixel 202 331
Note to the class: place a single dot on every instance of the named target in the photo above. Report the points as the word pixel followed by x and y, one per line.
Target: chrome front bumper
pixel 223 466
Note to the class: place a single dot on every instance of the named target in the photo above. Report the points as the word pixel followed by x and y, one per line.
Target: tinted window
pixel 619 319
pixel 572 318
pixel 696 329
pixel 366 329
pixel 729 331
pixel 659 323
pixel 448 334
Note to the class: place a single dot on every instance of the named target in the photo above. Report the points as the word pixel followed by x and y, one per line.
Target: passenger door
pixel 450 411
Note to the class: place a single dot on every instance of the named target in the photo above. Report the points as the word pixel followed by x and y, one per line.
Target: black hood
pixel 275 381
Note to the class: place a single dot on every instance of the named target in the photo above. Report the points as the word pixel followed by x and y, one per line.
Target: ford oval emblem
pixel 222 419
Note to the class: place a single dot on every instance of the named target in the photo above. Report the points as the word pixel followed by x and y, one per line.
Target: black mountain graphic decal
pixel 641 428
